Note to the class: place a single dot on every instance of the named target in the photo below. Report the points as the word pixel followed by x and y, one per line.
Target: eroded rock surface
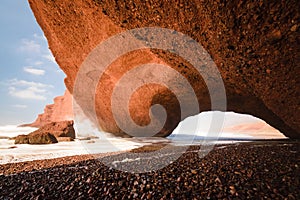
pixel 255 46
pixel 59 129
pixel 36 138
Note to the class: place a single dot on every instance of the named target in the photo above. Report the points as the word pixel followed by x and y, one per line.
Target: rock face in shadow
pixel 255 46
pixel 50 133
pixel 60 110
pixel 36 138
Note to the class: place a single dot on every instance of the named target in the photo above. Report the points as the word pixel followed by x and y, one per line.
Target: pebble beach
pixel 254 170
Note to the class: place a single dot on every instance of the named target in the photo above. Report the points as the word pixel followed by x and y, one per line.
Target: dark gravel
pixel 261 170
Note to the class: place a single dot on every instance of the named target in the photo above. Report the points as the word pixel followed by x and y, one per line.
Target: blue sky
pixel 29 76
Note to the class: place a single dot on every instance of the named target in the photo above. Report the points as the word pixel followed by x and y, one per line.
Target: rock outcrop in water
pixel 36 138
pixel 255 46
pixel 50 133
pixel 59 129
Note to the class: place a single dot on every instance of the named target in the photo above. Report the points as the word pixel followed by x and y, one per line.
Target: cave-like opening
pixel 234 126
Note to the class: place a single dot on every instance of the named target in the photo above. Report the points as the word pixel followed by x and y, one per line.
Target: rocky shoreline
pixel 50 133
pixel 257 170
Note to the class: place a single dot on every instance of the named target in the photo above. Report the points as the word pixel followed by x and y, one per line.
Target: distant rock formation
pixel 255 46
pixel 50 133
pixel 257 130
pixel 60 110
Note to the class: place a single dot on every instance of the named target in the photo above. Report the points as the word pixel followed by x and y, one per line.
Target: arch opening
pixel 236 127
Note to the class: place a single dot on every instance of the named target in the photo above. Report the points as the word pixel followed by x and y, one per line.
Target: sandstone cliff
pixel 254 44
pixel 60 110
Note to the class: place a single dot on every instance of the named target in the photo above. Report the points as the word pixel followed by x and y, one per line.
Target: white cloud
pixel 28 90
pixel 16 82
pixel 30 46
pixel 49 57
pixel 28 93
pixel 36 48
pixel 38 63
pixel 20 106
pixel 39 37
pixel 59 71
pixel 34 71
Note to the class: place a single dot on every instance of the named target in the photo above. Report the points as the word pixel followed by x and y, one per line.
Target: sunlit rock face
pixel 60 110
pixel 253 44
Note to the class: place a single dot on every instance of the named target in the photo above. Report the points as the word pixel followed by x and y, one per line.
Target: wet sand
pixel 256 170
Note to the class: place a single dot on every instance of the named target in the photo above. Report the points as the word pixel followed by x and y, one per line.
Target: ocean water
pixel 25 152
pixel 232 131
pixel 14 130
pixel 9 152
